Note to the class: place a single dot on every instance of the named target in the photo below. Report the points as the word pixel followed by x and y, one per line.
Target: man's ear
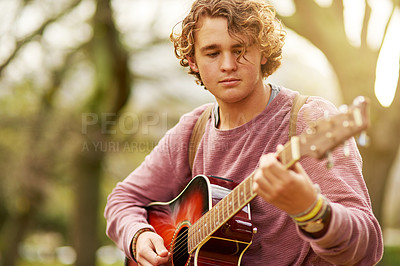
pixel 192 63
pixel 264 60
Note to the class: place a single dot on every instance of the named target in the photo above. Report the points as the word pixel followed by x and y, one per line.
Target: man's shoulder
pixel 192 116
pixel 188 120
pixel 196 112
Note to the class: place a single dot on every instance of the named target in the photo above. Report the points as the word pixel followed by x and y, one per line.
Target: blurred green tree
pixel 111 90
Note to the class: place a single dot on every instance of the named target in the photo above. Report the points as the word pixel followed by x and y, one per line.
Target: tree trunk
pixel 87 173
pixel 112 90
pixel 12 234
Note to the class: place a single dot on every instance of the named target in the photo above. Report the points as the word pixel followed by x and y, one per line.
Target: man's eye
pixel 213 54
pixel 238 52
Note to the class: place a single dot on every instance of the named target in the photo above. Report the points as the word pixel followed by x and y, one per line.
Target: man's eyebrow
pixel 209 47
pixel 216 46
pixel 238 45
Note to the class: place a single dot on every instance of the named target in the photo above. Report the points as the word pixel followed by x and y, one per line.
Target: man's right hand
pixel 150 249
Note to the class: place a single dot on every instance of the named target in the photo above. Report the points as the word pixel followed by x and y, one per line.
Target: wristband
pixel 135 238
pixel 313 212
pixel 318 216
pixel 319 224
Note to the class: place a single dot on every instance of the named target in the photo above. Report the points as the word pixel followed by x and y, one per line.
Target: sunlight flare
pixel 387 69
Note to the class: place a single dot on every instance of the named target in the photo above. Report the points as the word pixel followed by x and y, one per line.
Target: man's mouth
pixel 230 81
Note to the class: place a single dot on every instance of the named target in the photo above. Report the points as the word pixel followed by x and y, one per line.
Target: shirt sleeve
pixel 164 172
pixel 354 235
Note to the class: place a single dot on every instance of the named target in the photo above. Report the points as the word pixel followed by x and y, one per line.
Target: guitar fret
pixel 241 195
pixel 223 206
pixel 205 229
pixel 245 191
pixel 230 209
pixel 228 212
pixel 216 210
pixel 209 223
pixel 250 191
pixel 193 239
pixel 234 200
pixel 190 239
pixel 223 202
pixel 195 233
pixel 228 204
pixel 198 229
pixel 221 211
pixel 212 219
pixel 202 228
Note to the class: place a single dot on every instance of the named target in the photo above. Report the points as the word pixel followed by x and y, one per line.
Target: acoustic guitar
pixel 209 222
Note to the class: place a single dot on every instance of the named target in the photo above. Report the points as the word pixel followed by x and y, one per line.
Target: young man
pixel 231 46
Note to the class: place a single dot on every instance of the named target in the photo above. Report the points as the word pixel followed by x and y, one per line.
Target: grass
pixel 391 256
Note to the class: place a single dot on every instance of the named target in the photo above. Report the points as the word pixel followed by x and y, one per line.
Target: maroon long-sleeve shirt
pixel 354 235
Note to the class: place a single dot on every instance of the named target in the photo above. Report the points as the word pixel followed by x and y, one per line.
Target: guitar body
pixel 172 221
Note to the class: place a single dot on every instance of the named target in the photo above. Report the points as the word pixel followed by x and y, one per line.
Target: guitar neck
pixel 239 197
pixel 290 153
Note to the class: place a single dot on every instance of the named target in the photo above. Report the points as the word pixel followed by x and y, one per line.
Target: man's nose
pixel 229 62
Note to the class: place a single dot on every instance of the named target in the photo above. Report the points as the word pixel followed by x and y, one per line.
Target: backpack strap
pixel 298 102
pixel 197 133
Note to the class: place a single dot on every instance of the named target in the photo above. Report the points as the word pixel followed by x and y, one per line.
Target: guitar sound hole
pixel 180 254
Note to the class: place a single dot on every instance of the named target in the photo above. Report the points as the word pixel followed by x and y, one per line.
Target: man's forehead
pixel 206 25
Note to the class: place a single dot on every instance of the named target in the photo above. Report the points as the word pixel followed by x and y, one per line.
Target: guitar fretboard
pixel 225 209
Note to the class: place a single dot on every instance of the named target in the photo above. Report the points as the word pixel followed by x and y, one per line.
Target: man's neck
pixel 237 114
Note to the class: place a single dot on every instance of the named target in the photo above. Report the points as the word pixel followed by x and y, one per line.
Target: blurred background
pixel 88 87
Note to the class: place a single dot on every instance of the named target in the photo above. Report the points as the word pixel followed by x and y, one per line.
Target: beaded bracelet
pixel 313 212
pixel 135 238
pixel 318 216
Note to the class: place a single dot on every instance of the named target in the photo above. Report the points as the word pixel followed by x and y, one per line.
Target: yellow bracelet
pixel 313 212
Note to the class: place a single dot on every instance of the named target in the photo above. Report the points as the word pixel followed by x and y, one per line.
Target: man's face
pixel 216 59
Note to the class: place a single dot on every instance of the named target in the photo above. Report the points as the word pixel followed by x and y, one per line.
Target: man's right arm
pixel 160 177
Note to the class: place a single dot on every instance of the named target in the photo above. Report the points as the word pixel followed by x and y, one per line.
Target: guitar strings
pixel 181 245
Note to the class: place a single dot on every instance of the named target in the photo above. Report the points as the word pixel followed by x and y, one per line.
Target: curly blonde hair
pixel 255 20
